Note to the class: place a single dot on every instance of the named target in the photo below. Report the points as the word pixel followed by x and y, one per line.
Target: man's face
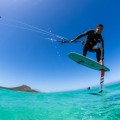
pixel 99 29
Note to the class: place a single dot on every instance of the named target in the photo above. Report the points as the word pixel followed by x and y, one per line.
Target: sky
pixel 28 57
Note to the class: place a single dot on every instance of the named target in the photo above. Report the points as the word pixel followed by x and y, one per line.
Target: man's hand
pixel 72 41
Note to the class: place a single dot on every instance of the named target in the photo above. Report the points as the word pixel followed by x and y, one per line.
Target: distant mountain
pixel 23 88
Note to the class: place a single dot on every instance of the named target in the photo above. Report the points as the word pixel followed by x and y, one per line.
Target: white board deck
pixel 80 59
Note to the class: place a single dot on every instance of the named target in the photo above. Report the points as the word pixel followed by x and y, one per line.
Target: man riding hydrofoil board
pixel 93 37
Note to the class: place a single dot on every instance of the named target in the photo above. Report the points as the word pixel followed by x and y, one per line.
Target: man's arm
pixel 81 35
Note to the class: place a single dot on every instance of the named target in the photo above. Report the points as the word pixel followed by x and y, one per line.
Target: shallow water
pixel 74 105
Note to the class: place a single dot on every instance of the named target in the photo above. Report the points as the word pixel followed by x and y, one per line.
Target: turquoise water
pixel 75 105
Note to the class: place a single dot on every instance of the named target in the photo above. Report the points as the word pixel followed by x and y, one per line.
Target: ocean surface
pixel 74 105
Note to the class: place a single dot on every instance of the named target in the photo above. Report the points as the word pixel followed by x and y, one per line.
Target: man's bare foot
pixel 101 62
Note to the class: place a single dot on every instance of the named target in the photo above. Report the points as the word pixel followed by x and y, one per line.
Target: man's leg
pixel 85 49
pixel 98 52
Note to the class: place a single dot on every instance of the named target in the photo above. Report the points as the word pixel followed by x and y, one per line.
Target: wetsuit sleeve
pixel 82 35
pixel 102 49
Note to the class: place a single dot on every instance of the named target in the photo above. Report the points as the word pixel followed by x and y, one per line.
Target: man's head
pixel 99 28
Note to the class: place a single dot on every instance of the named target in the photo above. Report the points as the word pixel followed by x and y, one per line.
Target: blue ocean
pixel 73 105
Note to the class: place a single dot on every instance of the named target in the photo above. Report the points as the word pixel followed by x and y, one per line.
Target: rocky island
pixel 22 88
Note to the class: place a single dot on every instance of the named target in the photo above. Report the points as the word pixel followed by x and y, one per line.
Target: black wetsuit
pixel 90 44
